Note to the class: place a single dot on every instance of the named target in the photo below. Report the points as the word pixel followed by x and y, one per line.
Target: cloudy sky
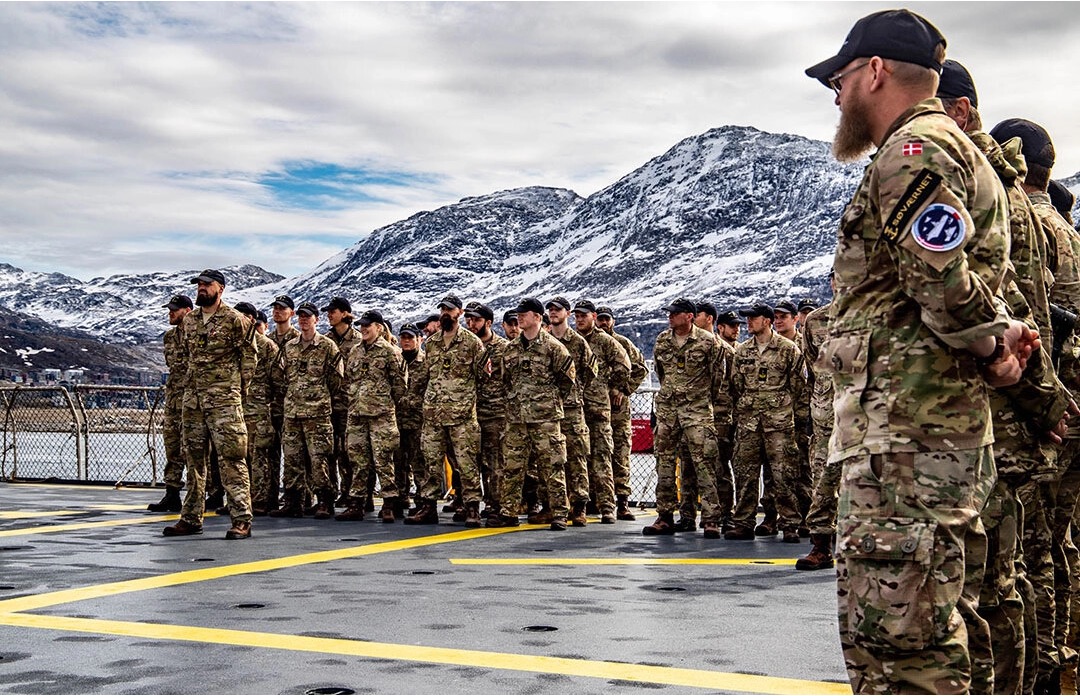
pixel 169 136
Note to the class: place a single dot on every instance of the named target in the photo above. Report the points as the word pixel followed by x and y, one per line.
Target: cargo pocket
pixel 890 599
pixel 847 357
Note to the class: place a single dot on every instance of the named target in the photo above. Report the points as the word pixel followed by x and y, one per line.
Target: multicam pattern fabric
pixel 313 372
pixel 447 378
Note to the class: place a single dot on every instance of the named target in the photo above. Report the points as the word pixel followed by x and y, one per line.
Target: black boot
pixel 171 502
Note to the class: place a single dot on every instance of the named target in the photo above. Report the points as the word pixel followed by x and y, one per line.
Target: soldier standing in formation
pixel 408 458
pixel 490 399
pixel 257 402
pixel 281 311
pixel 172 426
pixel 340 317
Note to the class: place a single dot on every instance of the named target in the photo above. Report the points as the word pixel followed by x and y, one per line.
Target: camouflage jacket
pixel 539 376
pixel 490 388
pixel 690 377
pixel 723 408
pixel 921 252
pixel 585 365
pixel 447 378
pixel 220 355
pixel 345 343
pixel 267 371
pixel 410 409
pixel 638 371
pixel 176 361
pixel 613 373
pixel 277 406
pixel 375 378
pixel 312 373
pixel 819 379
pixel 766 384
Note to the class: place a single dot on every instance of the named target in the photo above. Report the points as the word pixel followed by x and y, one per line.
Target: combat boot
pixel 223 511
pixel 712 530
pixel 325 509
pixel 454 505
pixel 766 528
pixel 664 525
pixel 622 512
pixel 1068 679
pixel 386 514
pixel 790 537
pixel 577 515
pixel 558 524
pixel 291 506
pixel 685 524
pixel 239 530
pixel 472 515
pixel 369 502
pixel 181 528
pixel 1048 682
pixel 171 502
pixel 353 513
pixel 427 513
pixel 739 534
pixel 541 516
pixel 607 518
pixel 259 508
pixel 499 520
pixel 215 501
pixel 820 557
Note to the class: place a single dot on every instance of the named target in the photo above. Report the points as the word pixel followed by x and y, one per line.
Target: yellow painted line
pixel 49 599
pixel 75 526
pixel 596 669
pixel 34 514
pixel 82 487
pixel 623 561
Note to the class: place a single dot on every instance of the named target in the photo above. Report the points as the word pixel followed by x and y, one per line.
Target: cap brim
pixel 827 68
pixel 447 305
pixel 280 304
pixel 202 279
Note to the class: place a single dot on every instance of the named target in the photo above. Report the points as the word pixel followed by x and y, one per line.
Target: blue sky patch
pixel 327 186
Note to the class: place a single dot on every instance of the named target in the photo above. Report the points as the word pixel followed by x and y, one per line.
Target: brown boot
pixel 622 512
pixel 664 525
pixel 353 513
pixel 472 515
pixel 542 516
pixel 181 528
pixel 712 530
pixel 291 508
pixel 240 530
pixel 820 557
pixel 577 515
pixel 427 513
pixel 325 509
pixel 500 520
pixel 386 514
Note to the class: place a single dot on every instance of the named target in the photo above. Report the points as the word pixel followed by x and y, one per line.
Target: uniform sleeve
pixel 638 369
pixel 932 232
pixel 618 368
pixel 249 353
pixel 657 364
pixel 562 366
pixel 797 385
pixel 590 366
pixel 335 370
pixel 398 377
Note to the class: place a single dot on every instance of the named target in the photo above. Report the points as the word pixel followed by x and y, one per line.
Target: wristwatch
pixel 999 350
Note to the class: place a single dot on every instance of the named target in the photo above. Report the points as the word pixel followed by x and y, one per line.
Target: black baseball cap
pixel 260 318
pixel 730 318
pixel 409 330
pixel 431 318
pixel 807 304
pixel 510 316
pixel 758 309
pixel 956 82
pixel 681 305
pixel 605 311
pixel 897 34
pixel 247 309
pixel 529 304
pixel 785 306
pixel 179 302
pixel 283 301
pixel 585 306
pixel 370 317
pixel 1037 146
pixel 1063 199
pixel 706 307
pixel 559 301
pixel 450 302
pixel 338 303
pixel 307 308
pixel 478 309
pixel 209 276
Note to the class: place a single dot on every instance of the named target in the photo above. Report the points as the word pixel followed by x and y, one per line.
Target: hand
pixel 617 398
pixel 1019 343
pixel 1057 433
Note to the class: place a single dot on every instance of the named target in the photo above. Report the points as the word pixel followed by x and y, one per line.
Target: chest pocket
pixel 849 262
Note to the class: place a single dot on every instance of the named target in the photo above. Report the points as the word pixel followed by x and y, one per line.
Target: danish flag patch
pixel 910 149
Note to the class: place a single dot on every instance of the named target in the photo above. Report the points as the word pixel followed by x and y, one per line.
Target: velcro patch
pixel 939 228
pixel 918 192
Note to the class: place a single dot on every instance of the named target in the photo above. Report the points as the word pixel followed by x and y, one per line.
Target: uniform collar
pixel 926 107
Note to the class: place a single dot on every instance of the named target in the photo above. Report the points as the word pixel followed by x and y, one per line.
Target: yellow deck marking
pixel 29 515
pixel 623 561
pixel 49 599
pixel 675 676
pixel 75 526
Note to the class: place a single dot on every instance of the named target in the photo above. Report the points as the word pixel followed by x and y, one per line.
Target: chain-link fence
pixel 91 433
pixel 642 461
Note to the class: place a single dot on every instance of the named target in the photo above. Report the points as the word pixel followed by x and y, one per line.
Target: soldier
pixel 573 424
pixel 539 376
pixel 688 363
pixel 608 389
pixel 806 305
pixel 281 311
pixel 621 426
pixel 1063 200
pixel 311 364
pixel 766 381
pixel 172 422
pixel 375 383
pixel 430 326
pixel 510 325
pixel 340 317
pixel 408 459
pixel 257 413
pixel 727 327
pixel 784 324
pixel 220 350
pixel 490 400
pixel 447 380
pixel 915 337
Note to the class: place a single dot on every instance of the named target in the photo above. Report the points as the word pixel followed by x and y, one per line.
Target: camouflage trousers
pixel 458 443
pixel 223 427
pixel 492 432
pixel 260 441
pixel 821 518
pixel 576 432
pixel 904 524
pixel 545 444
pixel 601 477
pixel 408 462
pixel 308 440
pixel 1065 492
pixel 172 432
pixel 689 492
pixel 1036 499
pixel 755 450
pixel 278 420
pixel 699 440
pixel 371 442
pixel 622 439
pixel 341 461
pixel 804 479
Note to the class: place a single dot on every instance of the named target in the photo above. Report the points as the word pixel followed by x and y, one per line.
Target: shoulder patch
pixel 939 228
pixel 918 192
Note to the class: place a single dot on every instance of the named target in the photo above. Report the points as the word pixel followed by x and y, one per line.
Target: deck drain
pixel 423 572
pixel 540 629
pixel 671 588
pixel 543 550
pixel 249 605
pixel 329 691
pixel 7 587
pixel 348 539
pixel 763 562
pixel 202 560
pixel 15 548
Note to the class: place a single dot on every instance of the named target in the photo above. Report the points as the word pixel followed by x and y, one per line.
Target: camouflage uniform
pixel 341 465
pixel 540 377
pixel 574 427
pixel 491 414
pixel 260 427
pixel 622 432
pixel 765 385
pixel 408 458
pixel 613 374
pixel 172 426
pixel 447 380
pixel 821 519
pixel 221 364
pixel 277 414
pixel 375 382
pixel 913 419
pixel 313 373
pixel 690 377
